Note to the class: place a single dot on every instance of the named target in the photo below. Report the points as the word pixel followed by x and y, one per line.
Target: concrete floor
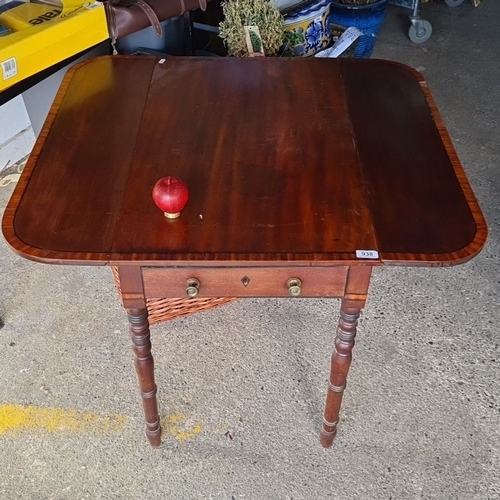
pixel 241 388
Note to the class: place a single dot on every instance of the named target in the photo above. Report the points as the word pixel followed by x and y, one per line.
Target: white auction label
pixel 366 254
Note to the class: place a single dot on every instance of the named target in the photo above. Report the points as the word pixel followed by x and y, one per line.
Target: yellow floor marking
pixel 171 423
pixel 18 418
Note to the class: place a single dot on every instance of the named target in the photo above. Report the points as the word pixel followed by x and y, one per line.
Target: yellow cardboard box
pixel 29 14
pixel 54 39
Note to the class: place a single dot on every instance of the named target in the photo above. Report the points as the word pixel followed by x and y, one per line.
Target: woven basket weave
pixel 166 309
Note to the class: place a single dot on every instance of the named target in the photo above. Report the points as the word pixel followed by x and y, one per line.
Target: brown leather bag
pixel 128 16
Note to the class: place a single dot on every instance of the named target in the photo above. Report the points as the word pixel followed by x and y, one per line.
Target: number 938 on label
pixel 366 254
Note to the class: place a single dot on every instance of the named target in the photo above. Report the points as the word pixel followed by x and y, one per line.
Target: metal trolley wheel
pixel 420 31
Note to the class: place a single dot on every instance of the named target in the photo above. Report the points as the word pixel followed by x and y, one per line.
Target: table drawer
pixel 245 282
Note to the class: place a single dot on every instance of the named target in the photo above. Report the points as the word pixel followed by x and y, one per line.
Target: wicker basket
pixel 166 309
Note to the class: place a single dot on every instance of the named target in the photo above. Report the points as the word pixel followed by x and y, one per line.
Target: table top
pixel 296 160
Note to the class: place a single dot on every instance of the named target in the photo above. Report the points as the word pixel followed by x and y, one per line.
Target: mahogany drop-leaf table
pixel 303 174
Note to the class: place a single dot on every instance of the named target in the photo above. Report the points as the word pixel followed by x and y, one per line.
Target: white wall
pixel 16 133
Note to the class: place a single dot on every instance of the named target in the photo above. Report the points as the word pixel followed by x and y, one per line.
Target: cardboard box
pixel 42 45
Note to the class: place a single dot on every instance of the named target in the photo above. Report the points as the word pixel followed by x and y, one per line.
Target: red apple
pixel 170 195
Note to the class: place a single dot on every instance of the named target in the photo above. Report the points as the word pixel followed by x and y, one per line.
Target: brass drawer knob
pixel 193 287
pixel 294 286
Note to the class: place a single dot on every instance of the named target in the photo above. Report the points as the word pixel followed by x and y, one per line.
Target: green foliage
pixel 261 13
pixel 254 38
pixel 292 38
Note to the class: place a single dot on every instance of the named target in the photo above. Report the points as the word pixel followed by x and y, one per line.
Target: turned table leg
pixel 144 366
pixel 341 360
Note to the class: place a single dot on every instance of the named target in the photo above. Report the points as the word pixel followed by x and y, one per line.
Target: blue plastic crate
pixel 367 18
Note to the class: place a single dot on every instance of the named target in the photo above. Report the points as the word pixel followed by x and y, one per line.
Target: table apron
pixel 245 281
